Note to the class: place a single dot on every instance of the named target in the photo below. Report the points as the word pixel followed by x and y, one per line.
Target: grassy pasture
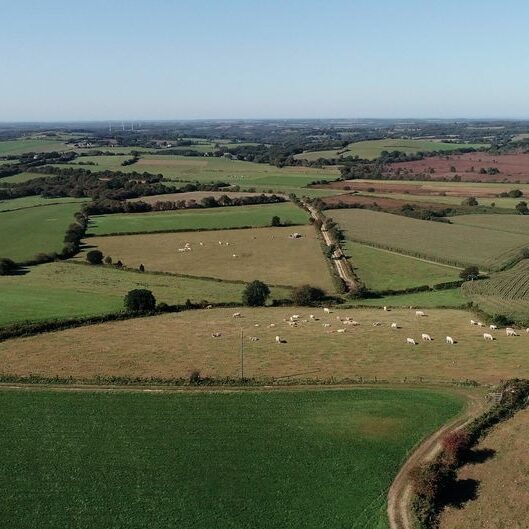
pixel 103 163
pixel 267 254
pixel 64 290
pixel 452 298
pixel 446 243
pixel 196 219
pixel 23 145
pixel 27 232
pixel 197 196
pixel 23 177
pixel 32 201
pixel 372 149
pixel 169 346
pixel 382 270
pixel 504 472
pixel 504 293
pixel 265 460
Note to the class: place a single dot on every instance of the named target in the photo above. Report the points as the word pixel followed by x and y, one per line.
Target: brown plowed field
pixel 512 167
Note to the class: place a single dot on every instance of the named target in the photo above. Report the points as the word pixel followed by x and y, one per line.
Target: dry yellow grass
pixel 503 496
pixel 171 345
pixel 267 254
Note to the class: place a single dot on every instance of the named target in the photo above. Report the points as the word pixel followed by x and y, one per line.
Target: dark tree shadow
pixel 462 491
pixel 480 455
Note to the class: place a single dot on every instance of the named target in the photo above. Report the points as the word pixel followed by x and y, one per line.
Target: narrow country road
pixel 338 258
pixel 400 492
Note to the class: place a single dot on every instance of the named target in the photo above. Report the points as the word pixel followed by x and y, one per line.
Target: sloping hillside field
pixel 456 244
pixel 255 460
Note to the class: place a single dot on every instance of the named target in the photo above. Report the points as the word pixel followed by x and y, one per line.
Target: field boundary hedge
pixel 433 481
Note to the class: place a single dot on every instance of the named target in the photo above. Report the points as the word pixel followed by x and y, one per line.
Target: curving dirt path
pixel 399 494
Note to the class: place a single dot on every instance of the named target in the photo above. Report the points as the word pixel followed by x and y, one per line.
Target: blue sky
pixel 172 59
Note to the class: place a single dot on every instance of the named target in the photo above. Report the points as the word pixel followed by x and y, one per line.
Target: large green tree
pixel 255 294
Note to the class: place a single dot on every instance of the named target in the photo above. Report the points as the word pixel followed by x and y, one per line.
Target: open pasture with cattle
pixel 268 254
pixel 196 219
pixel 64 290
pixel 455 244
pixel 297 459
pixel 171 346
pixel 32 230
pixel 468 166
pixel 372 149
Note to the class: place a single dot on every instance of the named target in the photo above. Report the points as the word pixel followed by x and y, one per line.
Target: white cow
pixel 326 325
pixel 411 341
pixel 510 332
pixel 527 330
pixel 293 323
pixel 487 336
pixel 426 337
pixel 385 308
pixel 272 325
pixel 341 330
pixel 480 324
pixel 450 340
pixel 394 326
pixel 295 316
pixel 278 339
pixel 419 313
pixel 216 335
pixel 236 315
pixel 326 310
pixel 473 322
pixel 254 339
pixel 312 317
pixel 376 324
pixel 493 327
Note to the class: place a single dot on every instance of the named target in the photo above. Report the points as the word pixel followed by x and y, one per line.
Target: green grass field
pixel 31 201
pixel 64 290
pixel 372 149
pixel 27 232
pixel 253 459
pixel 440 298
pixel 511 224
pixel 22 177
pixel 21 146
pixel 455 244
pixel 268 254
pixel 504 293
pixel 205 219
pixel 383 270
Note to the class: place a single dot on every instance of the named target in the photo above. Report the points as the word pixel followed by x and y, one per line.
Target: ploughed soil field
pixel 511 167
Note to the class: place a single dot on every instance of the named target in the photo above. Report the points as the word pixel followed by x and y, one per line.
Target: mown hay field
pixel 265 460
pixel 63 290
pixel 504 293
pixel 170 346
pixel 27 232
pixel 268 254
pixel 384 270
pixel 372 149
pixel 455 244
pixel 197 219
pixel 502 497
pixel 448 298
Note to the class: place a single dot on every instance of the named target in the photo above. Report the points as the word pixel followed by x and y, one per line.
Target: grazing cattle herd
pixel 296 320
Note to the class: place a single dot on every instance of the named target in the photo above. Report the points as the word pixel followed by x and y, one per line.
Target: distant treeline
pixel 101 207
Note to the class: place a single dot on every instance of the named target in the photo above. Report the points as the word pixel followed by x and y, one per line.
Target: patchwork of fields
pixel 372 149
pixel 251 459
pixel 27 232
pixel 21 146
pixel 455 244
pixel 65 290
pixel 205 219
pixel 171 345
pixel 268 254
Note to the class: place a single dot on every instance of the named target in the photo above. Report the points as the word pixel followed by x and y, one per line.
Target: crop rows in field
pixel 452 244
